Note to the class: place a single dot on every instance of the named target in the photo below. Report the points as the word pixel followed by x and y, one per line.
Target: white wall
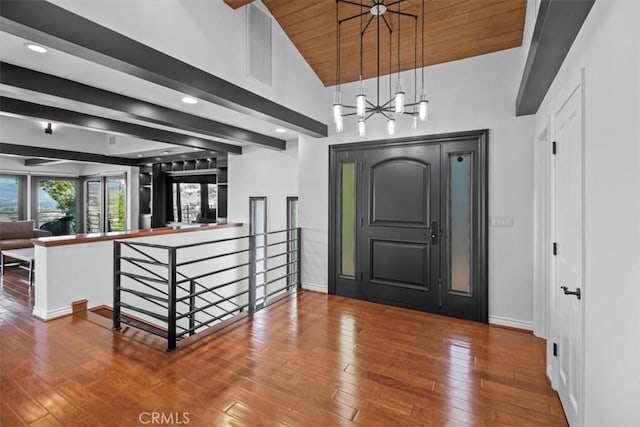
pixel 475 93
pixel 607 48
pixel 211 36
pixel 263 172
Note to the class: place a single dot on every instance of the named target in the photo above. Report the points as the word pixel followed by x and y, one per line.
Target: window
pixel 56 205
pixel 292 246
pixel 348 219
pixel 105 204
pixel 258 226
pixel 10 190
pixel 195 201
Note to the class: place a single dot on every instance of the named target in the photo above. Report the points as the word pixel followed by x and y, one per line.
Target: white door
pixel 569 237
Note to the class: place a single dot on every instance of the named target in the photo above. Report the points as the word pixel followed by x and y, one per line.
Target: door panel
pixel 409 224
pixel 400 196
pixel 569 214
pixel 399 193
pixel 399 263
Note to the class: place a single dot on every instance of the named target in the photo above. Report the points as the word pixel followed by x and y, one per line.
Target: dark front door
pixel 409 224
pixel 400 208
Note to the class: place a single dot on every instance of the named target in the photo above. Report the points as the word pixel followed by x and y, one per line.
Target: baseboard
pixel 511 323
pixel 316 288
pixel 47 315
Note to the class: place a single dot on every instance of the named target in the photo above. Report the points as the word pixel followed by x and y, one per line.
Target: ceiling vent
pixel 259 44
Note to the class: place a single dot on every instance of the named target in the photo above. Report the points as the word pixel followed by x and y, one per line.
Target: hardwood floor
pixel 311 360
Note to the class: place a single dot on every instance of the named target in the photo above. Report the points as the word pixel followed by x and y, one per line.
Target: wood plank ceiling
pixel 454 29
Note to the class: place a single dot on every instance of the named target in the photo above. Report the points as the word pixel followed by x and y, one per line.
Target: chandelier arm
pixel 349 2
pixel 385 114
pixel 371 103
pixel 349 114
pixel 349 18
pixel 369 116
pixel 386 103
pixel 366 26
pixel 387 23
pixel 402 13
pixel 394 3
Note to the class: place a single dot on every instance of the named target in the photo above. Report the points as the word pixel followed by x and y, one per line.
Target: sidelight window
pixel 348 219
pixel 460 205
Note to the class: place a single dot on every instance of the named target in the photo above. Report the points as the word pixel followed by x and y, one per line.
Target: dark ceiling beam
pixel 53 26
pixel 557 25
pixel 39 162
pixel 24 78
pixel 78 156
pixel 167 158
pixel 55 114
pixel 235 4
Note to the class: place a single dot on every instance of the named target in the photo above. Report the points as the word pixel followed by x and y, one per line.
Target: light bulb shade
pixel 361 128
pixel 423 109
pixel 337 113
pixel 339 124
pixel 361 104
pixel 398 99
pixel 391 127
pixel 414 120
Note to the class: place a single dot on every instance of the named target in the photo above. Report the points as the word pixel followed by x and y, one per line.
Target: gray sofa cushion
pixel 16 230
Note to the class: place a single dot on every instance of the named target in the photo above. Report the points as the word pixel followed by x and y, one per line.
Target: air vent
pixel 259 44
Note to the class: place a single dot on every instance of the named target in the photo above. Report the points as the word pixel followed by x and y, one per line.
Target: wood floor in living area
pixel 309 360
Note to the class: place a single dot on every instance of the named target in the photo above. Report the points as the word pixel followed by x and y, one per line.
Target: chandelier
pixel 384 15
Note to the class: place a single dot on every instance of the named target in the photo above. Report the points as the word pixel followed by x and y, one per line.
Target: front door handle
pixel 577 292
pixel 434 232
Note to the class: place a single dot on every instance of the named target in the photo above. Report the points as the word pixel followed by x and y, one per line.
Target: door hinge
pixel 361 221
pixel 554 147
pixel 440 292
pixel 555 248
pixel 361 275
pixel 555 349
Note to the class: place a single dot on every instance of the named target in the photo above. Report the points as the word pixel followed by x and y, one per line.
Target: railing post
pixel 192 307
pixel 299 257
pixel 252 274
pixel 171 282
pixel 116 285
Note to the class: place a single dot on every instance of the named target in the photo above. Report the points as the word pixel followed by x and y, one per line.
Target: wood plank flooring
pixel 313 360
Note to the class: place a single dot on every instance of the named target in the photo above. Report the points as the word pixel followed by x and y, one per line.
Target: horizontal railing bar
pixel 211 257
pixel 153 273
pixel 275 280
pixel 149 286
pixel 203 308
pixel 210 242
pixel 147 245
pixel 145 295
pixel 200 276
pixel 276 267
pixel 138 276
pixel 281 242
pixel 280 254
pixel 142 326
pixel 215 288
pixel 208 322
pixel 143 311
pixel 143 261
pixel 279 290
pixel 281 231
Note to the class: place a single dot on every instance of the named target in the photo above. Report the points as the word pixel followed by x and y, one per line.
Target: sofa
pixel 18 234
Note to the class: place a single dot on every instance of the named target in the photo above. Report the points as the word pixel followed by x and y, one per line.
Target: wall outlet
pixel 501 221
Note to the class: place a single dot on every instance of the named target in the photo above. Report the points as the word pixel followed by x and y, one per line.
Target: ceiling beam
pixel 39 162
pixel 235 4
pixel 43 22
pixel 25 78
pixel 557 25
pixel 55 114
pixel 78 156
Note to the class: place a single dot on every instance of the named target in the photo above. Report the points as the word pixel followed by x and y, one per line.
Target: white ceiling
pixel 14 51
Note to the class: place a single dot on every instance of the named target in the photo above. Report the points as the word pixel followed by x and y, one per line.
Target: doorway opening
pixel 408 223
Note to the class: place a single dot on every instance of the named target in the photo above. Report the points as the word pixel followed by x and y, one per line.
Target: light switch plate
pixel 501 221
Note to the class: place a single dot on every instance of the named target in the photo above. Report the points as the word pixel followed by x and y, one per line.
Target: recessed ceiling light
pixel 189 100
pixel 139 155
pixel 196 149
pixel 281 130
pixel 35 48
pixel 166 152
